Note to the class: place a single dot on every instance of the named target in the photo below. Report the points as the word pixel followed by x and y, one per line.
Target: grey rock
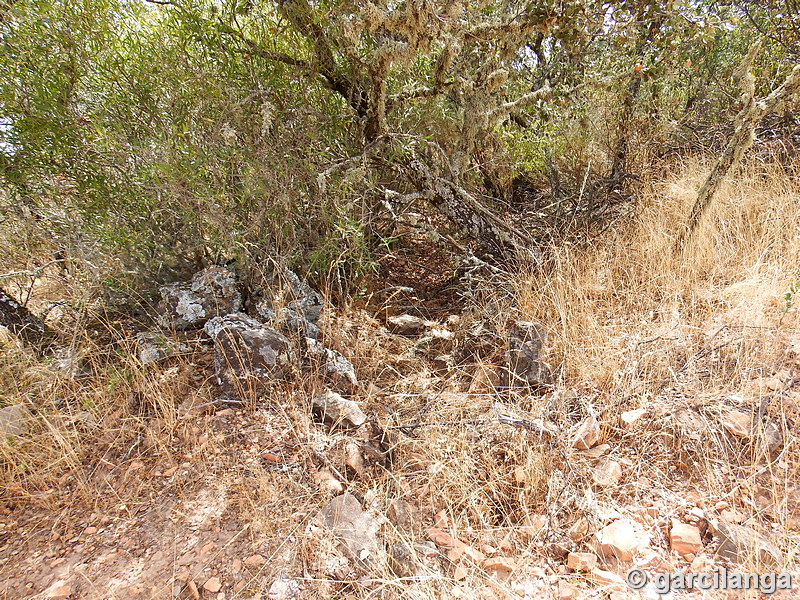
pixel 152 347
pixel 211 292
pixel 248 354
pixel 525 366
pixel 353 527
pixel 478 341
pixel 68 361
pixel 338 409
pixel 333 365
pixel 284 588
pixel 408 325
pixel 289 321
pixel 737 542
pixel 285 289
pixel 14 421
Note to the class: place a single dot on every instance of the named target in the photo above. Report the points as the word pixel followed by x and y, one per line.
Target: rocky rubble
pixel 211 292
pixel 250 352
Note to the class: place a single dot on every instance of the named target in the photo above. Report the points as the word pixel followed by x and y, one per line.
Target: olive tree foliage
pixel 142 134
pixel 128 142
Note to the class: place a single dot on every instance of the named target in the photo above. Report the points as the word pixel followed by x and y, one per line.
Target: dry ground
pixel 133 483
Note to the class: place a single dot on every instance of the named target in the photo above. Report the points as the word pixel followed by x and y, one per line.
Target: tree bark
pixel 741 140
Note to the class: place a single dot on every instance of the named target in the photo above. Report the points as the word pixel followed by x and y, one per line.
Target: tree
pixel 751 114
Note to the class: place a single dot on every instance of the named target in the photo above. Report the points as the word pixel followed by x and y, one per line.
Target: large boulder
pixel 526 340
pixel 248 354
pixel 211 292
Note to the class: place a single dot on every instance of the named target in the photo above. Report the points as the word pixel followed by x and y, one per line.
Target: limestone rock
pixel 248 354
pixel 338 409
pixel 211 292
pixel 685 539
pixel 525 367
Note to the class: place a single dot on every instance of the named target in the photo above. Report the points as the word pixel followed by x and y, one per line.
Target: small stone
pixel 355 529
pixel 621 540
pixel 597 451
pixel 532 526
pixel 773 437
pixel 607 474
pixel 685 539
pixel 255 560
pixel 408 325
pixel 697 514
pixel 460 573
pixel 566 591
pixel 327 481
pixel 701 564
pixel 607 578
pixel 587 435
pixel 333 365
pixel 579 529
pixel 630 417
pixel 738 423
pixel 732 516
pixel 213 585
pixel 283 588
pixel 581 561
pixel 58 591
pixel 499 563
pixel 338 409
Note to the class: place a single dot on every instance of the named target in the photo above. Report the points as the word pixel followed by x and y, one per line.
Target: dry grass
pixel 632 326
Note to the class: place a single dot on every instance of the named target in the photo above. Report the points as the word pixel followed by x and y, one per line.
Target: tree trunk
pixel 497 236
pixel 20 321
pixel 741 140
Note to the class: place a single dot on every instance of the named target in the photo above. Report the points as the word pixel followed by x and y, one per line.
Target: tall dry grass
pixel 632 324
